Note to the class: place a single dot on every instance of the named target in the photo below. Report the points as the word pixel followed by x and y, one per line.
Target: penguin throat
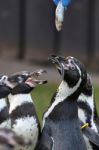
pixel 63 92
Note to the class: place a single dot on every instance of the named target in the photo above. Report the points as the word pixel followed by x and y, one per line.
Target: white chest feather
pixel 63 92
pixel 27 128
pixel 18 100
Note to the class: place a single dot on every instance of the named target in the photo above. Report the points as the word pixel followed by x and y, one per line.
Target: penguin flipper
pixel 91 135
pixel 97 123
pixel 45 142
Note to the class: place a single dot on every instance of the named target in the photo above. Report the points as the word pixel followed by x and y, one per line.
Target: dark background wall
pixel 41 37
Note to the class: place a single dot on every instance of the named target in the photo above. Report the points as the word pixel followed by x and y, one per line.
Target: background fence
pixel 27 30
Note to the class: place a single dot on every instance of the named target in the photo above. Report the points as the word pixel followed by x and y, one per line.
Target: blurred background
pixel 28 36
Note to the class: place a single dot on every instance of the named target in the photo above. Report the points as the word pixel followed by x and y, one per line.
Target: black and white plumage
pixel 87 110
pixel 4 110
pixel 24 120
pixel 9 139
pixel 61 130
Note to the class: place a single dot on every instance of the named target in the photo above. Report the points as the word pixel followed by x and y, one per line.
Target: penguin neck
pixel 65 91
pixel 64 98
pixel 18 100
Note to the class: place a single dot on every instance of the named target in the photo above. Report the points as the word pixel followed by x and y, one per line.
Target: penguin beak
pixel 25 76
pixel 34 82
pixel 34 75
pixel 57 60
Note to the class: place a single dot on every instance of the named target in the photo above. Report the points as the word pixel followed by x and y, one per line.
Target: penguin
pixel 87 112
pixel 86 105
pixel 24 120
pixel 60 129
pixel 5 121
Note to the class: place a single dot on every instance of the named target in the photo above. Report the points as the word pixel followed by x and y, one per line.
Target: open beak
pixel 33 77
pixel 34 82
pixel 58 63
pixel 25 76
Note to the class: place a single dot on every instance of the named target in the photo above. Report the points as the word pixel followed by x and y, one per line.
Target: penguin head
pixel 23 76
pixel 70 68
pixel 19 77
pixel 4 89
pixel 24 83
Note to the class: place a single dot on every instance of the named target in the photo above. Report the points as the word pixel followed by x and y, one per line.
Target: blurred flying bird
pixel 61 6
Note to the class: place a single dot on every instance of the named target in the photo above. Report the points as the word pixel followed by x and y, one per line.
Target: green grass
pixel 43 93
pixel 42 96
pixel 97 97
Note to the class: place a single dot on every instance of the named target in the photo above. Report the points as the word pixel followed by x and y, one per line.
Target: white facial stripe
pixel 3 79
pixel 63 92
pixel 70 57
pixel 78 69
pixel 9 84
pixel 75 64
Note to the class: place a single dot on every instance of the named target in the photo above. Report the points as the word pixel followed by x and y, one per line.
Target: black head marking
pixel 21 88
pixel 70 68
pixel 19 77
pixel 24 76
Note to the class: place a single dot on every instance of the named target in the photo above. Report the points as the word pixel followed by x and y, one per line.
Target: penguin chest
pixel 64 138
pixel 27 127
pixel 6 124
